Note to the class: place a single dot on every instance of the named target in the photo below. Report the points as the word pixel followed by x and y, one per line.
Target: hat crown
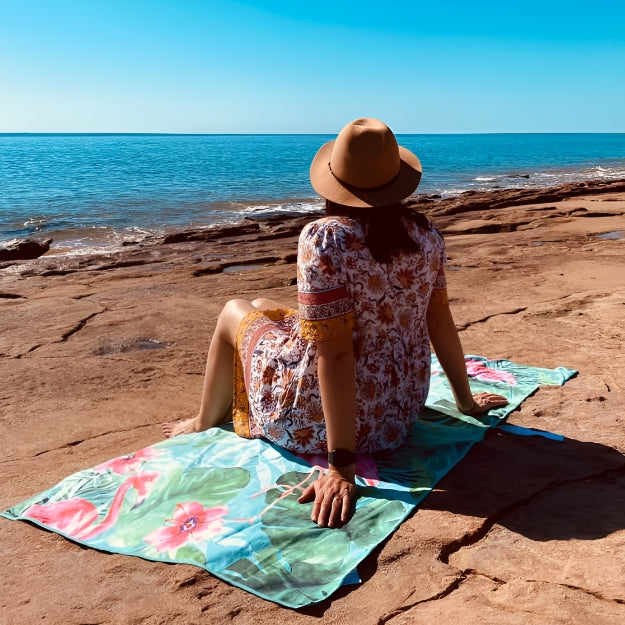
pixel 365 167
pixel 365 154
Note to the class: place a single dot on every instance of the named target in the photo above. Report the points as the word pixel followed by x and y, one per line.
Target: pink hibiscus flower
pixel 477 369
pixel 129 462
pixel 190 522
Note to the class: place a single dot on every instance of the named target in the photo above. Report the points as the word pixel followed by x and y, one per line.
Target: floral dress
pixel 341 286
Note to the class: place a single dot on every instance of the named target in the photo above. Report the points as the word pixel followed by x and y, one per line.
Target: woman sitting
pixel 349 372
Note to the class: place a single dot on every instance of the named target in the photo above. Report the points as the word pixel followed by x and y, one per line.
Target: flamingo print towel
pixel 229 504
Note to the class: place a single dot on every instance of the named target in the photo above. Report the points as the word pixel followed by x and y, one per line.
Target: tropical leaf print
pixel 207 488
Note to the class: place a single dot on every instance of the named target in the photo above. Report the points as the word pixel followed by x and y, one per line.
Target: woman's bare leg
pixel 217 391
pixel 219 374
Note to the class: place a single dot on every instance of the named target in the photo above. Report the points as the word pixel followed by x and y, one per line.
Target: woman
pixel 350 371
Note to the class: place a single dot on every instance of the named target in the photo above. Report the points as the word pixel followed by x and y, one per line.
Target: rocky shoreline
pixel 256 231
pixel 97 350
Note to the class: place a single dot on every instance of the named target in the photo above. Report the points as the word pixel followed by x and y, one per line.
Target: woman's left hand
pixel 483 402
pixel 333 494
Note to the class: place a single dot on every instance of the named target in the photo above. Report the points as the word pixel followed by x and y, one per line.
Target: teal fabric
pixel 229 505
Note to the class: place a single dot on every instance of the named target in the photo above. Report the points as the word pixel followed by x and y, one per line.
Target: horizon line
pixel 277 134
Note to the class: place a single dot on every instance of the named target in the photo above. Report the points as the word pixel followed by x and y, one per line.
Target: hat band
pixel 351 187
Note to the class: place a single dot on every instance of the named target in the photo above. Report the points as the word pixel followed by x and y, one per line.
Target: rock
pixel 24 249
pixel 97 351
pixel 211 234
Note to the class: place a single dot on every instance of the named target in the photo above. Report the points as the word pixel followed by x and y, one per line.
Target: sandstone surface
pixel 96 351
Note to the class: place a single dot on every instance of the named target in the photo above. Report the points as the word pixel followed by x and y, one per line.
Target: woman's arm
pixel 333 492
pixel 446 342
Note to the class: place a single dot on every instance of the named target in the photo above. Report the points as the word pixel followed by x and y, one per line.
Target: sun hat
pixel 364 167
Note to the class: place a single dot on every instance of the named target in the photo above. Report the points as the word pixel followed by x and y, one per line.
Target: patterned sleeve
pixel 325 305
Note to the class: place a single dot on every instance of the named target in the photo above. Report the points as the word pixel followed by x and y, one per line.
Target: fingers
pixel 308 495
pixel 483 402
pixel 490 400
pixel 333 511
pixel 333 501
pixel 347 508
pixel 326 510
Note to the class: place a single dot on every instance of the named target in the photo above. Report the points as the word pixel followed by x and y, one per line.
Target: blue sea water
pixel 92 191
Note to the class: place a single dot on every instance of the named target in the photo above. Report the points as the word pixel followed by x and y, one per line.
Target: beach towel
pixel 229 504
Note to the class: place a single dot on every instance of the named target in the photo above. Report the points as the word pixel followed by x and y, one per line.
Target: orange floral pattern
pixel 341 285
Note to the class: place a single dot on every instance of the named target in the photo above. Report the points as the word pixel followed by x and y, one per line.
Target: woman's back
pixel 388 301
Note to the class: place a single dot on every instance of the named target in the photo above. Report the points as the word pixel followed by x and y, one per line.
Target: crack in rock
pixel 11 296
pixel 79 326
pixel 65 336
pixel 502 582
pixel 470 539
pixel 587 296
pixel 84 440
pixel 441 595
pixel 515 311
pixel 590 593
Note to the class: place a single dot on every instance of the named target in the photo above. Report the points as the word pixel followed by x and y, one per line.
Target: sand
pixel 95 352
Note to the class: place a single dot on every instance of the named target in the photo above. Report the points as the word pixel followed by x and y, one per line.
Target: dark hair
pixel 385 233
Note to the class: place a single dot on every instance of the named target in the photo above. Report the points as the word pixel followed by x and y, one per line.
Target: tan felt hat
pixel 364 167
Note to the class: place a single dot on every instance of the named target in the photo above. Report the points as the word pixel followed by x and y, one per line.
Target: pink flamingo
pixel 477 369
pixel 75 517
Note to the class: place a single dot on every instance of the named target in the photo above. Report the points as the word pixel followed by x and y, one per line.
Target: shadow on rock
pixel 576 489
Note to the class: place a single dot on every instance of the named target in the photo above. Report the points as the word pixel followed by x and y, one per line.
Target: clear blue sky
pixel 299 66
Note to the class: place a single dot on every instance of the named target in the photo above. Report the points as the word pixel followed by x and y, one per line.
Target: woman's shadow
pixel 577 489
pixel 540 488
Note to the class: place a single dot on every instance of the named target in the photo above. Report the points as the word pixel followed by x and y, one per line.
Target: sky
pixel 294 66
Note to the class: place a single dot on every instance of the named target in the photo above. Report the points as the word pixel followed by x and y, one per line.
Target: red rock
pixel 522 532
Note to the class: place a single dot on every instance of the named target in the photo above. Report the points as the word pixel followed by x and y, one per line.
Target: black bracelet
pixel 341 457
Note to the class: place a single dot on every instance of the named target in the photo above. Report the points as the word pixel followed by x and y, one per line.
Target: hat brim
pixel 328 186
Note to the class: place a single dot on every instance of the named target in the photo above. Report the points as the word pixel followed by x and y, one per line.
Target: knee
pixel 234 310
pixel 237 304
pixel 263 303
pixel 231 315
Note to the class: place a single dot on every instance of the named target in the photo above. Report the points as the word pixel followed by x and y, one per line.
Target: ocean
pixel 96 191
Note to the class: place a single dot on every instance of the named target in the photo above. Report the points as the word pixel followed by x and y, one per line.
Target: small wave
pixel 85 240
pixel 596 172
pixel 454 192
pixel 485 178
pixel 271 209
pixel 36 222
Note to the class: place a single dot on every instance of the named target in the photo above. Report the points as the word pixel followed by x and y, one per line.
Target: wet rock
pixel 502 198
pixel 24 249
pixel 211 234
